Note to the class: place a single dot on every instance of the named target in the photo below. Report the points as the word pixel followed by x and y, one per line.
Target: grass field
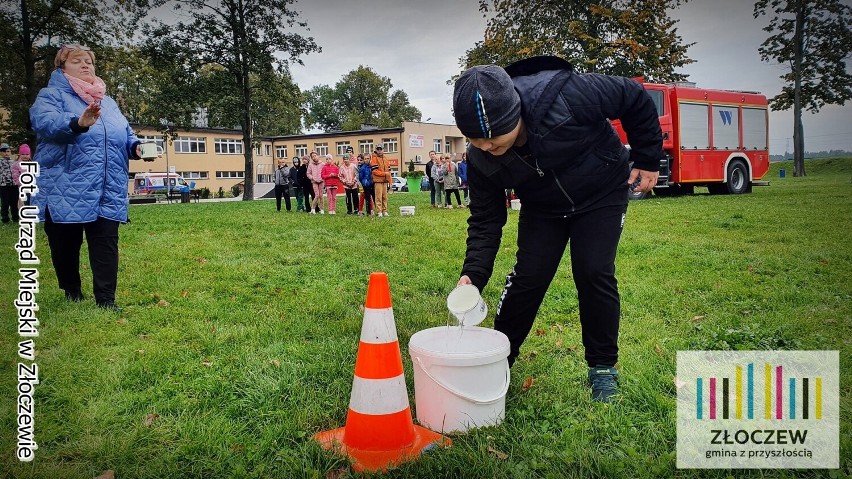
pixel 239 333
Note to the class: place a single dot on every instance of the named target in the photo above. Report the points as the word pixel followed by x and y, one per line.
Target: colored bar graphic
pixel 792 398
pixel 699 400
pixel 712 398
pixel 768 392
pixel 818 398
pixel 751 390
pixel 796 400
pixel 779 392
pixel 739 392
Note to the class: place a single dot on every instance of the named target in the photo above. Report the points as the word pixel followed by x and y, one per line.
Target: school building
pixel 213 157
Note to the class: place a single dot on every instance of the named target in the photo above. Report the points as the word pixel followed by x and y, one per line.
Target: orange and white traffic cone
pixel 379 431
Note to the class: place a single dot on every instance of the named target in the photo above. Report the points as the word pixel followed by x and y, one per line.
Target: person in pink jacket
pixel 315 175
pixel 349 178
pixel 331 175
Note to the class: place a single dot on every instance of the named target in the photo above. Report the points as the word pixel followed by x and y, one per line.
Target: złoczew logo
pixel 758 409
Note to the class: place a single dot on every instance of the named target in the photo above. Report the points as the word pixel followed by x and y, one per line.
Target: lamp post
pixel 166 132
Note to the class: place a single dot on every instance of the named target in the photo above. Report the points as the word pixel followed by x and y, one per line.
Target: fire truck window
pixel 694 125
pixel 726 127
pixel 657 96
pixel 754 128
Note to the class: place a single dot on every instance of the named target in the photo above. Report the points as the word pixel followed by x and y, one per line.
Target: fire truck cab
pixel 713 138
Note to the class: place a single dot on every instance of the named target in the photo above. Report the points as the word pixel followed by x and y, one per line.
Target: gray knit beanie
pixel 485 102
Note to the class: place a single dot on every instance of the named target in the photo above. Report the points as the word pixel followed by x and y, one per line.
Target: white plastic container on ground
pixel 461 377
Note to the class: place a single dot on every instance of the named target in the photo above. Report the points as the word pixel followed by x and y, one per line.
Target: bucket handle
pixel 461 394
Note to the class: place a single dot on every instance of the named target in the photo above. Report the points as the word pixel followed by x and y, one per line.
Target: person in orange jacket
pixel 381 180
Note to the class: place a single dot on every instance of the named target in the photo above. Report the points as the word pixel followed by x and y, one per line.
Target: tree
pixel 31 32
pixel 133 83
pixel 360 97
pixel 813 39
pixel 239 43
pixel 617 37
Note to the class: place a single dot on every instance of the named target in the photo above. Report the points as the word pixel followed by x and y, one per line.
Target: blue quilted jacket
pixel 83 172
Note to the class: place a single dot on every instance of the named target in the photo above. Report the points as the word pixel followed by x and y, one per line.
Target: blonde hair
pixel 69 49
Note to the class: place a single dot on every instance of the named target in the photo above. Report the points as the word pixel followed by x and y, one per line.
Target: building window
pixel 365 147
pixel 448 146
pixel 194 175
pixel 342 146
pixel 301 150
pixel 436 145
pixel 281 151
pixel 190 144
pixel 230 174
pixel 158 139
pixel 321 148
pixel 268 150
pixel 391 145
pixel 228 146
pixel 257 150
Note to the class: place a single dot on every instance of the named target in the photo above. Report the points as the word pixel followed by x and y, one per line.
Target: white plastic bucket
pixel 406 210
pixel 516 204
pixel 466 304
pixel 461 377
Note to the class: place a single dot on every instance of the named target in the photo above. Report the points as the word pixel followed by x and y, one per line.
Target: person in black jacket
pixel 543 129
pixel 429 164
pixel 307 187
pixel 282 180
pixel 297 184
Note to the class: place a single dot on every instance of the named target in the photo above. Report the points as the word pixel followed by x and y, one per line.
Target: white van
pixel 147 183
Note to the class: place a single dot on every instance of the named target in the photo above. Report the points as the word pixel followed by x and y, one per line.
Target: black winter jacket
pixel 573 159
pixel 302 176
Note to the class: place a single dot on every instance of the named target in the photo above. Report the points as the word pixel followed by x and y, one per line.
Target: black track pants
pixel 282 190
pixel 594 237
pixel 66 239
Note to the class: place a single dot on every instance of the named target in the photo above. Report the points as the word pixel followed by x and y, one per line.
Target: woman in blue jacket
pixel 83 144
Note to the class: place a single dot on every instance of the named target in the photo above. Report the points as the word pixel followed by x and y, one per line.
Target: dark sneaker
pixel 74 296
pixel 604 381
pixel 109 306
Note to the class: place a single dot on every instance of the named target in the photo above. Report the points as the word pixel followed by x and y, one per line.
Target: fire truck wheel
pixel 738 181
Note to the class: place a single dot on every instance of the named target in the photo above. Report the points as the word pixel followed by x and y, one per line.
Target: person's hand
pixel 90 115
pixel 647 180
pixel 464 280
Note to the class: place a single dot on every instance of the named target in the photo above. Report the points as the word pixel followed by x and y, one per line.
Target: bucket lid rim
pixel 501 349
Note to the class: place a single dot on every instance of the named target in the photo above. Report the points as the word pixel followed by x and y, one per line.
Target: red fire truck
pixel 713 138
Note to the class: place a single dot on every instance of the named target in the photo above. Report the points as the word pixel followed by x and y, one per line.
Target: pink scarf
pixel 89 92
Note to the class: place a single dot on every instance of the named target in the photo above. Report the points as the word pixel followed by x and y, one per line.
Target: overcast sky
pixel 417 44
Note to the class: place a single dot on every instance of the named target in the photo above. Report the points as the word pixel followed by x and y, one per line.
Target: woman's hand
pixel 464 280
pixel 90 115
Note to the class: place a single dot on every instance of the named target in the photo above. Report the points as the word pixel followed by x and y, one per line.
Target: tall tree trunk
pixel 30 87
pixel 245 93
pixel 27 52
pixel 798 129
pixel 248 194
